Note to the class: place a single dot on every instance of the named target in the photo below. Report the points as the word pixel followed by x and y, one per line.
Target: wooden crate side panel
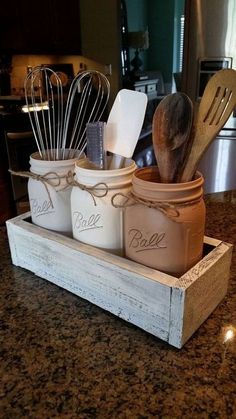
pixel 176 317
pixel 12 243
pixel 202 296
pixel 197 271
pixel 141 301
pixel 212 241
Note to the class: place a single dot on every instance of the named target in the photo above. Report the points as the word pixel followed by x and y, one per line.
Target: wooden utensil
pixel 172 123
pixel 216 106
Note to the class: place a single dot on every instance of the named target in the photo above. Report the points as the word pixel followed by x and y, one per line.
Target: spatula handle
pixel 117 162
pixel 189 169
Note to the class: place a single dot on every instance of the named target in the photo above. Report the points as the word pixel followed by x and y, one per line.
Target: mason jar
pixel 95 220
pixel 49 193
pixel 164 223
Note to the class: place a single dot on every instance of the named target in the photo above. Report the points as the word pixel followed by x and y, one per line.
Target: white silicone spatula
pixel 124 125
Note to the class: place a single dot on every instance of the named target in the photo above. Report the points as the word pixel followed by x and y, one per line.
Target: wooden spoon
pixel 216 106
pixel 172 123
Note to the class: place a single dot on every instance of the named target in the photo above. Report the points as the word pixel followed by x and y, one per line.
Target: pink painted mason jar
pixel 164 223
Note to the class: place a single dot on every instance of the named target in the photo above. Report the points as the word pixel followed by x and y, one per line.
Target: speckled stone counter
pixel 62 357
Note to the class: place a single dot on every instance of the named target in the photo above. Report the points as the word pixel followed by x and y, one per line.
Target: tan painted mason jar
pixel 164 223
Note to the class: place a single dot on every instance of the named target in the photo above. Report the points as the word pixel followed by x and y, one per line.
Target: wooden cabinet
pixel 45 27
pixel 11 38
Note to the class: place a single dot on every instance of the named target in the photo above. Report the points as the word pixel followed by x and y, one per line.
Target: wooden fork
pixel 216 106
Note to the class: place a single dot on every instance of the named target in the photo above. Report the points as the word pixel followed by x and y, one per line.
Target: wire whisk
pixel 59 120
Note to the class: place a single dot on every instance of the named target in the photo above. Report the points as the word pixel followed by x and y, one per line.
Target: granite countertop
pixel 62 357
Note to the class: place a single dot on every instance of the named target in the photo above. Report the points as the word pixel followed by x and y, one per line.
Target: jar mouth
pixel 88 175
pixel 147 186
pixel 36 158
pixel 150 178
pixel 85 167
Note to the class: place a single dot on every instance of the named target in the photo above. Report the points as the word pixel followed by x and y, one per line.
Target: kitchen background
pixel 92 38
pixel 20 63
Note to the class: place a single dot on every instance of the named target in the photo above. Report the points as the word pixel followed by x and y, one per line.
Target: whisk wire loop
pixel 58 122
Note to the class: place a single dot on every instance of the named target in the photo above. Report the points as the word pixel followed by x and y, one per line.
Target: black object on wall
pixel 5 78
pixel 51 27
pixel 125 58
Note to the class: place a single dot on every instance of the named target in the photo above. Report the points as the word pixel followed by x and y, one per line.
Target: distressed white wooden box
pixel 167 307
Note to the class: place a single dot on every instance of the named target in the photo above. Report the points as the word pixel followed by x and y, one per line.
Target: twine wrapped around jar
pixel 131 199
pixel 170 210
pixel 99 190
pixel 47 179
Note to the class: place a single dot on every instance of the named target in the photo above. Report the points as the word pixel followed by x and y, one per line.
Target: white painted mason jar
pixel 49 193
pixel 95 220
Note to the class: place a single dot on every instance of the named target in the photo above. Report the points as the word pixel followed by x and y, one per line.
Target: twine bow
pixel 99 190
pixel 131 199
pixel 46 179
